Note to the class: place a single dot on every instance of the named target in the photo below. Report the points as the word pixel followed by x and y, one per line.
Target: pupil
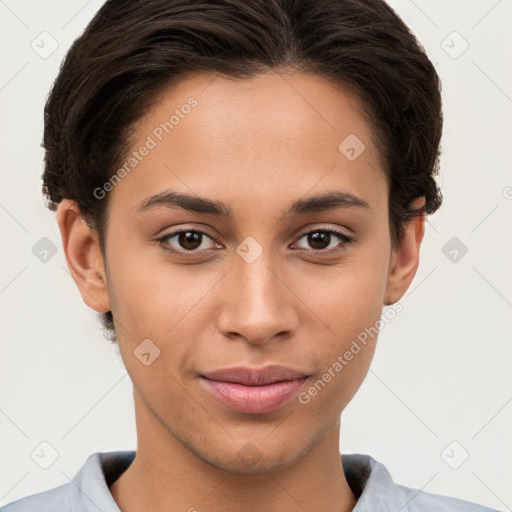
pixel 189 239
pixel 319 237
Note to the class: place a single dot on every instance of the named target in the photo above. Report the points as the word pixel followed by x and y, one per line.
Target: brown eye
pixel 321 239
pixel 186 240
pixel 318 239
pixel 189 239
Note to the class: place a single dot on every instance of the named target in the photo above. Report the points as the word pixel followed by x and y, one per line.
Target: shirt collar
pixel 88 490
pixel 370 480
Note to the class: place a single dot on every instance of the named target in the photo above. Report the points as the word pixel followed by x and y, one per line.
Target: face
pixel 256 282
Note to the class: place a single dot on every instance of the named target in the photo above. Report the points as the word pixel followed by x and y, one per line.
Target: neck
pixel 166 475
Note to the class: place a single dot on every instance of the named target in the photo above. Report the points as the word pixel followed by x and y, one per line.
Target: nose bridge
pixel 258 305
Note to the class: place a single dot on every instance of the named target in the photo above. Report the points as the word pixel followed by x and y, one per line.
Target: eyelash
pixel 186 254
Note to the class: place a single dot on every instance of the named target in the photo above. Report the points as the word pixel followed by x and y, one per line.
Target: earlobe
pixel 404 260
pixel 83 255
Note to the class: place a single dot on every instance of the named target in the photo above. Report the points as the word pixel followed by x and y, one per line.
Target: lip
pixel 254 376
pixel 253 390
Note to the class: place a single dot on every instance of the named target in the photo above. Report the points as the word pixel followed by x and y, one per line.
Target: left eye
pixel 320 237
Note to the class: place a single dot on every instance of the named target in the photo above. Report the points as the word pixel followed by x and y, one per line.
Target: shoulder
pixel 88 491
pixel 56 500
pixel 417 500
pixel 373 483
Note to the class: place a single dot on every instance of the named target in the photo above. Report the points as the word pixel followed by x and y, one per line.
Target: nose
pixel 258 304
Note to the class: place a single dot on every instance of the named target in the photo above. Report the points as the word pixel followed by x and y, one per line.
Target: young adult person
pixel 241 188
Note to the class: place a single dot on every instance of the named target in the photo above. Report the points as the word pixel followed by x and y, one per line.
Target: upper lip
pixel 255 376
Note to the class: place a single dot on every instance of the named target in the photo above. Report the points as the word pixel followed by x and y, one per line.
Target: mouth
pixel 255 391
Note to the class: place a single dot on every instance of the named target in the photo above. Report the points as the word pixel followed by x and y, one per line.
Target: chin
pixel 249 459
pixel 265 464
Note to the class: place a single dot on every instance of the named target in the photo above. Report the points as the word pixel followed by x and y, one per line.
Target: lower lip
pixel 254 399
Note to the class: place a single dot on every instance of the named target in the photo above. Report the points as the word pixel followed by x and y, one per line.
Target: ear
pixel 404 259
pixel 83 255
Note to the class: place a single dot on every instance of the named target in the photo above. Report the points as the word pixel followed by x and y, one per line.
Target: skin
pixel 257 146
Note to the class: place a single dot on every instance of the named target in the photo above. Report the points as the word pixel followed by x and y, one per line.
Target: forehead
pixel 269 136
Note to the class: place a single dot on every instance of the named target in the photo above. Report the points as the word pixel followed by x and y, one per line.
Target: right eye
pixel 185 241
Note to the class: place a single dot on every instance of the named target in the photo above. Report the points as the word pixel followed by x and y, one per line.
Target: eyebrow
pixel 320 203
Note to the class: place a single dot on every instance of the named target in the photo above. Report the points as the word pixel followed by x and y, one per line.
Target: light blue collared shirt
pixel 370 480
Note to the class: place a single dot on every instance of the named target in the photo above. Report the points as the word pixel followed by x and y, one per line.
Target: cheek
pixel 349 298
pixel 168 305
pixel 351 307
pixel 347 347
pixel 152 297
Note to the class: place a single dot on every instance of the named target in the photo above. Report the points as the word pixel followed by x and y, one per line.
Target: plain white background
pixel 439 389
